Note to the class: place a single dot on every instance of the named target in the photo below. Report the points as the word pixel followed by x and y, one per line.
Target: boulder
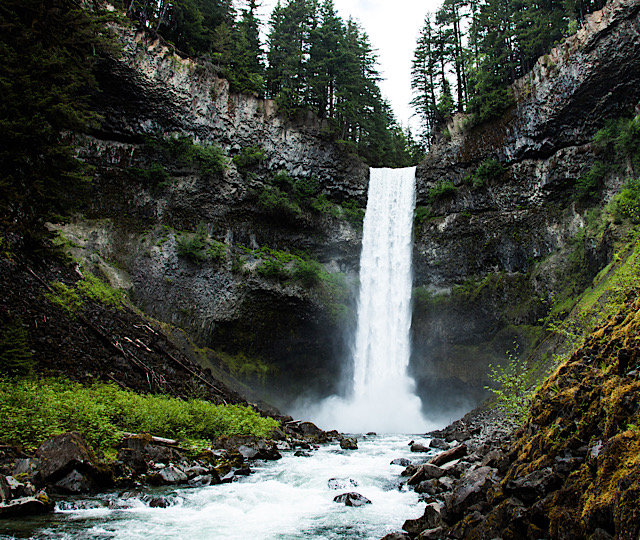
pixel 404 462
pixel 301 453
pixel 429 520
pixel 470 489
pixel 26 506
pixel 349 443
pixel 533 486
pixel 429 487
pixel 5 489
pixel 310 431
pixel 449 455
pixel 352 499
pixel 418 447
pixel 68 452
pixel 439 444
pixel 268 450
pixel 396 536
pixel 205 480
pixel 169 475
pixel 27 469
pixel 425 472
pixel 432 534
pixel 342 483
pixel 247 452
pixel 76 482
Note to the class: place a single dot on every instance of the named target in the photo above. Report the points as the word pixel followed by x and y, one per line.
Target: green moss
pixel 99 291
pixel 66 298
pixel 244 366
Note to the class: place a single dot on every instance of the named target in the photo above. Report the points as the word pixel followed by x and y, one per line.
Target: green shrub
pixel 16 357
pixel 309 273
pixel 352 211
pixel 488 170
pixel 249 158
pixel 208 158
pixel 325 206
pixel 191 246
pixel 442 190
pixel 275 269
pixel 65 298
pixel 278 203
pixel 626 204
pixel 306 187
pixel 589 184
pixel 34 410
pixel 513 389
pixel 421 214
pixel 156 175
pixel 282 180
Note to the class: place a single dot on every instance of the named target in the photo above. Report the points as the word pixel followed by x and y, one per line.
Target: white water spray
pixel 383 398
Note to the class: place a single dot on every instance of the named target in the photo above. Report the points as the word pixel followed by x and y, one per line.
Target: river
pixel 284 500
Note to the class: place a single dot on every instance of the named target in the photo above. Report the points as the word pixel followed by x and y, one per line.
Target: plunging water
pixel 382 397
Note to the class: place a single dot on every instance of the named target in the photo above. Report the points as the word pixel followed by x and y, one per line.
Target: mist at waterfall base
pixel 381 395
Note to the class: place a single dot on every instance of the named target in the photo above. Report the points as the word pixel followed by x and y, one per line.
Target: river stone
pixel 470 489
pixel 352 499
pixel 432 534
pixel 349 443
pixel 204 480
pixel 396 536
pixel 169 475
pixel 26 506
pixel 430 519
pixel 418 447
pixel 440 444
pixel 5 489
pixel 404 462
pixel 426 472
pixel 67 452
pixel 301 453
pixel 342 483
pixel 76 482
pixel 449 455
pixel 247 452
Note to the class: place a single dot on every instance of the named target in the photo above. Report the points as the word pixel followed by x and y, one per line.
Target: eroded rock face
pixel 509 230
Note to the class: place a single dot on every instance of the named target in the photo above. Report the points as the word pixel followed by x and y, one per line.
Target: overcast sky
pixel 392 27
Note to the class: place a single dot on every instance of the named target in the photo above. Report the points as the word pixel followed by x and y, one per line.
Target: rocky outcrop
pixel 486 258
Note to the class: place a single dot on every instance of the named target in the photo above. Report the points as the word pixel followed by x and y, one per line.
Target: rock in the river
pixel 5 490
pixel 449 455
pixel 396 536
pixel 349 443
pixel 404 462
pixel 426 472
pixel 168 475
pixel 429 520
pixel 419 447
pixel 60 456
pixel 342 483
pixel 440 444
pixel 352 499
pixel 26 506
pixel 470 489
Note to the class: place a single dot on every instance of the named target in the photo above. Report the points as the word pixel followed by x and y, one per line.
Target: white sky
pixel 393 27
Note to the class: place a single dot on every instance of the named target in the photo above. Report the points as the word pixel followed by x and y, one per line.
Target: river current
pixel 285 500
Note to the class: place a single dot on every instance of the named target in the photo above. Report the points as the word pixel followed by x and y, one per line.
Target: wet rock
pixel 352 499
pixel 404 462
pixel 76 482
pixel 492 459
pixel 5 489
pixel 26 506
pixel 449 455
pixel 418 447
pixel 61 455
pixel 432 534
pixel 425 472
pixel 439 444
pixel 160 502
pixel 396 536
pixel 27 469
pixel 268 451
pixel 205 480
pixel 430 519
pixel 534 486
pixel 301 453
pixel 195 470
pixel 310 431
pixel 429 487
pixel 169 475
pixel 471 489
pixel 342 483
pixel 410 470
pixel 349 443
pixel 247 452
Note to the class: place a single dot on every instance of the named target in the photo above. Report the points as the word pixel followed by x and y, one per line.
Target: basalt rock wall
pixel 491 254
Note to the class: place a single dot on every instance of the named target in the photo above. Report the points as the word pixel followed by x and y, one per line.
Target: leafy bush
pixel 352 211
pixel 34 410
pixel 156 175
pixel 278 203
pixel 273 268
pixel 421 214
pixel 486 171
pixel 513 390
pixel 626 204
pixel 249 158
pixel 325 206
pixel 309 273
pixel 442 190
pixel 209 158
pixel 588 185
pixel 306 187
pixel 192 246
pixel 16 357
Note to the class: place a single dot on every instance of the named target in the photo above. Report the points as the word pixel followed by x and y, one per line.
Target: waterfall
pixel 382 395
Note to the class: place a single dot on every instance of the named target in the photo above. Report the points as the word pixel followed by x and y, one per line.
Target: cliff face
pixel 253 310
pixel 492 256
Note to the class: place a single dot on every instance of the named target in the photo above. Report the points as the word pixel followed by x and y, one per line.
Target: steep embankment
pixel 500 241
pixel 223 219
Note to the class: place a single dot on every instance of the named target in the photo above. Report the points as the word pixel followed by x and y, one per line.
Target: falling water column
pixel 382 397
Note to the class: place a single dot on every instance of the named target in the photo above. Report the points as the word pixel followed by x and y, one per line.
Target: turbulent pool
pixel 286 499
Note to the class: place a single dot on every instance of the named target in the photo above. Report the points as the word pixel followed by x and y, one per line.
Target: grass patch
pixel 33 410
